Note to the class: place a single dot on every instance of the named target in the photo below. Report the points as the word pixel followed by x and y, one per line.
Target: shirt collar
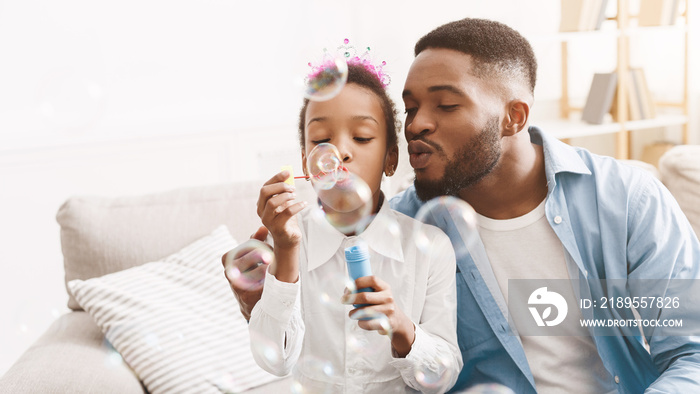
pixel 558 156
pixel 381 236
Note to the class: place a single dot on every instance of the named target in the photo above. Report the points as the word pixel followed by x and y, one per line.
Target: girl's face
pixel 354 122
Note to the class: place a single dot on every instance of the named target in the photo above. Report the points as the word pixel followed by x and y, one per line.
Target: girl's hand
pixel 277 210
pixel 381 301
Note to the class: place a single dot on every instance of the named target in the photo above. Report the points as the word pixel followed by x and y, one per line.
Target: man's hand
pixel 249 263
pixel 381 301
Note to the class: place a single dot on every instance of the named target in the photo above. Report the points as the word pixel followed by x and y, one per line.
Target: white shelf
pixel 573 35
pixel 563 128
pixel 659 121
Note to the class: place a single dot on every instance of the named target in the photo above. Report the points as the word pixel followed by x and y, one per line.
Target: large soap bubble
pixel 435 375
pixel 323 165
pixel 328 79
pixel 346 199
pixel 452 215
pixel 257 257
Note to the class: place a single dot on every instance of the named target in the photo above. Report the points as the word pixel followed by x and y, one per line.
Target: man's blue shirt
pixel 615 222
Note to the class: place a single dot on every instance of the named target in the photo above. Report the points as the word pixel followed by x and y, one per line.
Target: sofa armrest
pixel 72 356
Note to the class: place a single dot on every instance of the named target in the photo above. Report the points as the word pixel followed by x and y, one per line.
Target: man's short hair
pixel 498 50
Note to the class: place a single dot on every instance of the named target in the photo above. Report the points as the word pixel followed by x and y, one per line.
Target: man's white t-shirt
pixel 526 247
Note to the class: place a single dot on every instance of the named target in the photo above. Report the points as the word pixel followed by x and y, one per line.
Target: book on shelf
pixel 634 97
pixel 640 104
pixel 600 97
pixel 601 14
pixel 633 103
pixel 647 100
pixel 582 15
pixel 658 12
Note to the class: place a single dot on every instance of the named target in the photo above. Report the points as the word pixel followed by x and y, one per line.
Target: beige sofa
pixel 104 235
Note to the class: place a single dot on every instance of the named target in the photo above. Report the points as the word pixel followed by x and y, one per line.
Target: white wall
pixel 130 97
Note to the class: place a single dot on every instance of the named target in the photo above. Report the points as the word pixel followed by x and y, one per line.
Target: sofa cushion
pixel 176 322
pixel 71 357
pixel 680 172
pixel 101 235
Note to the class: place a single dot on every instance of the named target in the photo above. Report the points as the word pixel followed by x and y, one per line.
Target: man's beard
pixel 474 160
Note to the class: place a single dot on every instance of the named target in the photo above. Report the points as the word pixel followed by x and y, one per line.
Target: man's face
pixel 452 123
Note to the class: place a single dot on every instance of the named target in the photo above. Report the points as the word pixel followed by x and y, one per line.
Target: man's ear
pixel 391 161
pixel 516 118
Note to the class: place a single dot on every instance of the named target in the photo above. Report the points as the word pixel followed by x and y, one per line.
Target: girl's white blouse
pixel 303 326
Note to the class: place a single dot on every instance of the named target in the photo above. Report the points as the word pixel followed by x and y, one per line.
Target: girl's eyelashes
pixel 362 140
pixel 448 107
pixel 409 111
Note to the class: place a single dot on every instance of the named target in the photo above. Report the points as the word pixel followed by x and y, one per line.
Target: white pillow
pixel 176 322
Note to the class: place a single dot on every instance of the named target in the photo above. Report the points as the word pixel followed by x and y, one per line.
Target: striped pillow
pixel 175 322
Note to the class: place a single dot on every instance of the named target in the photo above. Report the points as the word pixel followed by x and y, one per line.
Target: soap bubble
pixel 225 383
pixel 317 366
pixel 349 194
pixel 327 376
pixel 69 101
pixel 452 215
pixel 347 222
pixel 323 164
pixel 263 346
pixel 433 375
pixel 331 290
pixel 369 344
pixel 345 198
pixel 113 357
pixel 328 79
pixel 489 388
pixel 377 320
pixel 32 314
pixel 390 226
pixel 257 257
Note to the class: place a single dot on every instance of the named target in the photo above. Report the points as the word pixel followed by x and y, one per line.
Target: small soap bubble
pixel 369 344
pixel 328 79
pixel 489 388
pixel 254 257
pixel 316 366
pixel 347 222
pixel 452 215
pixel 377 320
pixel 389 226
pixel 349 193
pixel 113 357
pixel 69 102
pixel 225 383
pixel 323 164
pixel 153 341
pixel 345 198
pixel 314 387
pixel 433 375
pixel 263 346
pixel 32 314
pixel 331 290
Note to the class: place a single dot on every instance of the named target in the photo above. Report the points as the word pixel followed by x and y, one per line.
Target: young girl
pixel 300 323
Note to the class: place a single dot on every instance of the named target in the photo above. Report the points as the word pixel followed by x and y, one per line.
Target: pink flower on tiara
pixel 323 71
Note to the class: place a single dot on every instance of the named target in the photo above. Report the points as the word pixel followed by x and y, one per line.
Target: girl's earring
pixel 389 171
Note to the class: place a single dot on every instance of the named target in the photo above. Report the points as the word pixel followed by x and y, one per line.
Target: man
pixel 546 211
